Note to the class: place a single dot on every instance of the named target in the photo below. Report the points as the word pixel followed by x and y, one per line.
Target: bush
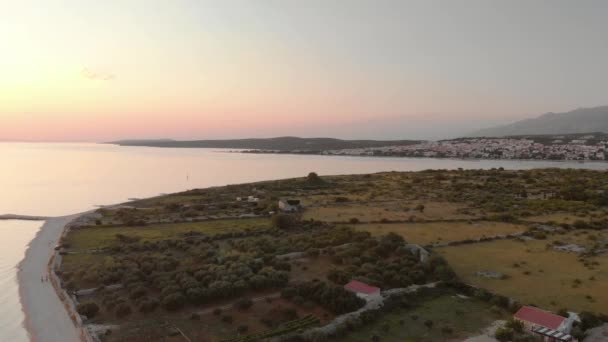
pixel 137 292
pixel 243 304
pixel 123 310
pixel 447 330
pixel 227 319
pixel 89 309
pixel 173 301
pixel 148 305
pixel 284 221
pixel 515 325
pixel 314 179
pixel 504 334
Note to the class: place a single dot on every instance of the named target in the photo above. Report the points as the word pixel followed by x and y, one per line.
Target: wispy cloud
pixel 97 75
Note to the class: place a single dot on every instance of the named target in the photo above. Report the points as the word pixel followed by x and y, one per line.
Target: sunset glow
pixel 91 70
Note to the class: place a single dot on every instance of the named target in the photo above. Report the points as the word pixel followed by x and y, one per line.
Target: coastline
pixel 23 217
pixel 583 161
pixel 46 312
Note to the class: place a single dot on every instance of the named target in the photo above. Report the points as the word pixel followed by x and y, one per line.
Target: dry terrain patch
pixel 390 210
pixel 535 273
pixel 438 232
pixel 558 218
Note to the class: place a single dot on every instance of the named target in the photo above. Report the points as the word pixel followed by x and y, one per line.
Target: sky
pixel 88 70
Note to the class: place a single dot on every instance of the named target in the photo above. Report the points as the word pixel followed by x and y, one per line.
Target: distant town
pixel 579 147
pixel 560 148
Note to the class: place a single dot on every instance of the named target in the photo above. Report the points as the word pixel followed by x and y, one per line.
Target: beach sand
pixel 47 319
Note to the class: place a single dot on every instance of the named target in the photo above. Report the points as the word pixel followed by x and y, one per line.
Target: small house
pixel 290 205
pixel 549 326
pixel 362 289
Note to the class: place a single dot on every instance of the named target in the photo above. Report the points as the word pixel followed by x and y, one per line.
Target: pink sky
pixel 99 71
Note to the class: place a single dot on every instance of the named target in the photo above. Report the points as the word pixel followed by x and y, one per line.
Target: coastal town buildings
pixel 490 148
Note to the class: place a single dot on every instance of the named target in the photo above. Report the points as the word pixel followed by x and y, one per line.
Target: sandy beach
pixel 47 319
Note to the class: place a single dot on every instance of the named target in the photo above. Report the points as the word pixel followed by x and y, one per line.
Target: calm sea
pixel 60 179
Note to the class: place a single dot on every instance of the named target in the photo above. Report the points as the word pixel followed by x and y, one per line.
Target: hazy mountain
pixel 581 120
pixel 277 144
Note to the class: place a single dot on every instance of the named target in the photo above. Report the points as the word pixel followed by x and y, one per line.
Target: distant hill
pixel 577 121
pixel 275 144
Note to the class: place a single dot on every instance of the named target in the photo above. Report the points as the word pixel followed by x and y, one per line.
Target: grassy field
pixel 97 237
pixel 436 232
pixel 465 317
pixel 568 218
pixel 392 210
pixel 536 275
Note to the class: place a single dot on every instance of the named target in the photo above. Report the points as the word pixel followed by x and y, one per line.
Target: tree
pixel 515 325
pixel 244 303
pixel 123 309
pixel 173 301
pixel 89 309
pixel 504 334
pixel 148 305
pixel 284 221
pixel 314 179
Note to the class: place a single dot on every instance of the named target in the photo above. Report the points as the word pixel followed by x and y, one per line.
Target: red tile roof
pixel 361 287
pixel 539 317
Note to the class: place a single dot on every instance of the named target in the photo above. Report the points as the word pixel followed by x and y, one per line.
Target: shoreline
pixel 583 161
pixel 47 317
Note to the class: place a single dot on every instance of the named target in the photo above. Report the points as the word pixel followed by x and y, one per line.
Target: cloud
pixel 97 75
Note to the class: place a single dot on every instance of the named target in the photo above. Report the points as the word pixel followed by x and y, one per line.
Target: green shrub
pixel 88 309
pixel 123 310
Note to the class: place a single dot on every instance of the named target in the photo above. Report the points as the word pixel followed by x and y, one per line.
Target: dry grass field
pixel 535 274
pixel 104 236
pixel 389 210
pixel 464 318
pixel 438 232
pixel 558 218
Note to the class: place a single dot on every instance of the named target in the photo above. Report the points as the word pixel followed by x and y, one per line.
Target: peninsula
pixel 420 256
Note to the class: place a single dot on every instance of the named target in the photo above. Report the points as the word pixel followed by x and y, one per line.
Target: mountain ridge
pixel 580 120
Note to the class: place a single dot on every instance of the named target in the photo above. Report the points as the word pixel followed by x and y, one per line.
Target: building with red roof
pixel 536 316
pixel 362 289
pixel 549 325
